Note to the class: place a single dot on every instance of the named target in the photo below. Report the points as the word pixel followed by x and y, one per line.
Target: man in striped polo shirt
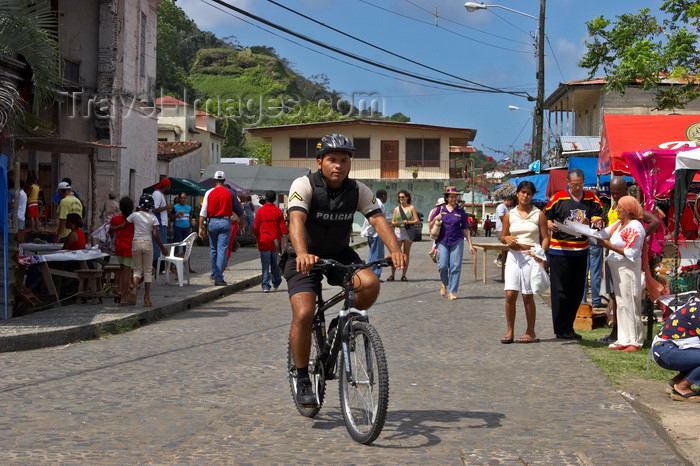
pixel 568 254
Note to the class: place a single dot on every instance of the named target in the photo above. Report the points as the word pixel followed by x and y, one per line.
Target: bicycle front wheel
pixel 364 390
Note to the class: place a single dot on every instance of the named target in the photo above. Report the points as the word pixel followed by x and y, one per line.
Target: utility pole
pixel 538 118
pixel 471 160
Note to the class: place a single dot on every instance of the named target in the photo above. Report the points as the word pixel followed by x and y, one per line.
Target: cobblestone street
pixel 209 386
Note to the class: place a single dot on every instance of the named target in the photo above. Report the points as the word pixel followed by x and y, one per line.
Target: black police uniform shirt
pixel 330 213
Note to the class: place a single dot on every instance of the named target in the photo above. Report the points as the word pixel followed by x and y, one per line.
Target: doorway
pixel 389 153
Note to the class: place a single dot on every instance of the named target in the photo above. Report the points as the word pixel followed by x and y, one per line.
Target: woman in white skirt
pixel 399 224
pixel 625 261
pixel 524 226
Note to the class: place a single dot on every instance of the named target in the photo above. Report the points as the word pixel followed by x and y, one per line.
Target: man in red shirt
pixel 269 228
pixel 217 208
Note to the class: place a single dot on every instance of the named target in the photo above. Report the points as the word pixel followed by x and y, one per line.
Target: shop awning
pixel 258 178
pixel 181 185
pixel 211 182
pixel 540 182
pixel 589 166
pixel 630 133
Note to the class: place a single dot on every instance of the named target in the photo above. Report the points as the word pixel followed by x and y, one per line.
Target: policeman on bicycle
pixel 321 210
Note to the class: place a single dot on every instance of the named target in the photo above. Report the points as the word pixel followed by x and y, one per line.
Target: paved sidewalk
pixel 76 322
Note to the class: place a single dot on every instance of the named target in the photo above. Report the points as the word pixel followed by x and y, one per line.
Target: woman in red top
pixel 123 246
pixel 76 238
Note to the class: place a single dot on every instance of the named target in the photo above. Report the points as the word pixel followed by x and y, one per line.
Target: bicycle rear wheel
pixel 365 399
pixel 316 374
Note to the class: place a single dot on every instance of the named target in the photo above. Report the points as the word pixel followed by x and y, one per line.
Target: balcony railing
pixel 375 169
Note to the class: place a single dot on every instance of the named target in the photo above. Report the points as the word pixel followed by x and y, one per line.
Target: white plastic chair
pixel 179 262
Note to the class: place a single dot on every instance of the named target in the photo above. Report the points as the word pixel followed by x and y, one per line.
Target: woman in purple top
pixel 450 243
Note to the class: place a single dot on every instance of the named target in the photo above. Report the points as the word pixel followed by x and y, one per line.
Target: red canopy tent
pixel 629 133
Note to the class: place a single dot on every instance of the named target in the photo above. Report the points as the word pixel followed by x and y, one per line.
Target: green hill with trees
pixel 245 86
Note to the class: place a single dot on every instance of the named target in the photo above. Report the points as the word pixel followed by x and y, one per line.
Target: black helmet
pixel 146 202
pixel 333 142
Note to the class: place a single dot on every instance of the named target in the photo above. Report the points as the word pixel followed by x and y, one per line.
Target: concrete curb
pixel 64 336
pixel 119 322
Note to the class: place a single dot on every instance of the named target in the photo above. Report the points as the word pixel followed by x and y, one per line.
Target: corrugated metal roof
pixel 580 143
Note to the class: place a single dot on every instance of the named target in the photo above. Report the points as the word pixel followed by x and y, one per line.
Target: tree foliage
pixel 263 154
pixel 639 49
pixel 243 86
pixel 29 31
pixel 178 41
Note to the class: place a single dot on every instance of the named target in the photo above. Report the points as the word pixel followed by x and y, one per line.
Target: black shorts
pixel 298 282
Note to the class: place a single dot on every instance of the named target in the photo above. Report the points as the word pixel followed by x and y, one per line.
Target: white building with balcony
pixel 383 149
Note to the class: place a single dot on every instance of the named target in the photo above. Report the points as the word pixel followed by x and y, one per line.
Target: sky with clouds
pixel 494 47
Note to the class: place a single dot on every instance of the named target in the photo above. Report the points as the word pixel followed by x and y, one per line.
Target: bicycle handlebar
pixel 325 264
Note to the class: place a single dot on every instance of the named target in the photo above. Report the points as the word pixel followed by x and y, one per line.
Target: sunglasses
pixel 402 197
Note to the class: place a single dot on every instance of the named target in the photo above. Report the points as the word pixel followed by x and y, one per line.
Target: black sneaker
pixel 305 394
pixel 220 283
pixel 607 339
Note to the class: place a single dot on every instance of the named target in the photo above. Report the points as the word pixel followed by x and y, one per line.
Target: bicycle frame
pixel 328 356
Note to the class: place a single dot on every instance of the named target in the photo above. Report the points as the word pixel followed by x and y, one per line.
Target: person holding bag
pixel 450 241
pixel 404 220
pixel 524 227
pixel 435 228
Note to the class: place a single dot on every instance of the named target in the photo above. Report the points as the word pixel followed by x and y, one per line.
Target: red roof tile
pixel 169 150
pixel 168 101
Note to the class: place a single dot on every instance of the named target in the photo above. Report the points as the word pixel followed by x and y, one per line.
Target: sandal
pixel 443 290
pixel 507 340
pixel 691 397
pixel 390 279
pixel 452 296
pixel 527 339
pixel 404 279
pixel 147 302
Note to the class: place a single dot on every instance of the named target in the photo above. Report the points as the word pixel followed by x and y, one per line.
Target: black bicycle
pixel 351 351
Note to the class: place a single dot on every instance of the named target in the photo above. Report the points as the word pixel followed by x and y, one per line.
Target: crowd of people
pixel 319 224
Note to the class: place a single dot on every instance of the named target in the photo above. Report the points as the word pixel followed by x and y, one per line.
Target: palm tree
pixel 28 29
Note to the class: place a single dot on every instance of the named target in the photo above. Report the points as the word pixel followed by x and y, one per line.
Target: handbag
pixel 437 226
pixel 411 230
pixel 539 280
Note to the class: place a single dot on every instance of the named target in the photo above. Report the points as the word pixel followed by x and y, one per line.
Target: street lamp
pixel 513 107
pixel 538 116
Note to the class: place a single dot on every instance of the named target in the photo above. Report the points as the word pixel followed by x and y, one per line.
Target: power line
pixel 555 57
pixel 448 20
pixel 361 59
pixel 527 122
pixel 506 21
pixel 354 65
pixel 380 48
pixel 451 31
